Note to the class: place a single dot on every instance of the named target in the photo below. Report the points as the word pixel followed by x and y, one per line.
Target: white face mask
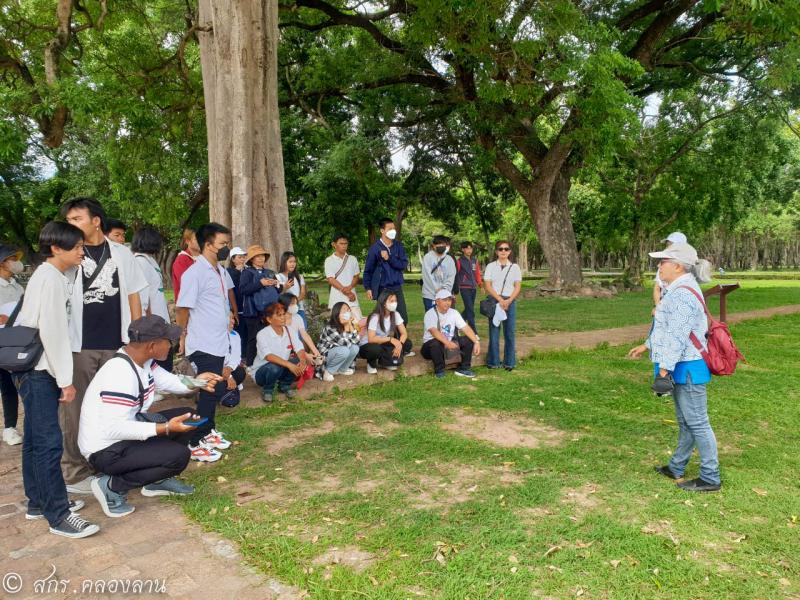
pixel 293 309
pixel 391 306
pixel 391 234
pixel 346 316
pixel 16 267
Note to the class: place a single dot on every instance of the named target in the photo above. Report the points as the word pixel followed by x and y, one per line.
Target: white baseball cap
pixel 676 237
pixel 237 251
pixel 682 253
pixel 443 294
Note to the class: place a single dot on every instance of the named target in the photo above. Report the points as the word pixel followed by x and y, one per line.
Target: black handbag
pixel 20 347
pixel 489 304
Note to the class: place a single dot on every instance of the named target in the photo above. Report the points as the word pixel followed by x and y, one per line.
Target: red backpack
pixel 721 354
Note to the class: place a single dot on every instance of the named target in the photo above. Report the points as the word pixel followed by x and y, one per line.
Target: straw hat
pixel 255 250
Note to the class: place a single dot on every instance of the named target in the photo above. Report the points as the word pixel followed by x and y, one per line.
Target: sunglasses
pixel 504 249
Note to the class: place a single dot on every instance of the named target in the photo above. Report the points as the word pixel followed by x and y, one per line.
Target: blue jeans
pixel 340 358
pixel 509 334
pixel 428 304
pixel 302 315
pixel 42 445
pixel 694 429
pixel 468 298
pixel 269 374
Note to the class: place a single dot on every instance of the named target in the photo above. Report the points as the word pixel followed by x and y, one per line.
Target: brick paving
pixel 158 542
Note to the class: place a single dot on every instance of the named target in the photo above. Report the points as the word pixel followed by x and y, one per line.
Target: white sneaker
pixel 410 353
pixel 203 453
pixel 348 372
pixel 215 441
pixel 391 368
pixel 81 487
pixel 11 436
pixel 371 370
pixel 326 376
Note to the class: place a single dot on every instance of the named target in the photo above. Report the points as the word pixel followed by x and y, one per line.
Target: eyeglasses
pixel 504 249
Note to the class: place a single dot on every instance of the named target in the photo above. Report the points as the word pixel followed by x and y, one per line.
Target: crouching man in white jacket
pixel 130 447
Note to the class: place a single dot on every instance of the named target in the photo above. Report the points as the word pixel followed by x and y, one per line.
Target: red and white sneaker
pixel 215 440
pixel 203 453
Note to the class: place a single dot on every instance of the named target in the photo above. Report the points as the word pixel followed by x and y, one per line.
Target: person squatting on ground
pixel 386 342
pixel 203 312
pixel 296 326
pixel 47 306
pixel 280 359
pixel 441 338
pixel 339 343
pixel 129 446
pixel 679 366
pixel 10 293
pixel 105 299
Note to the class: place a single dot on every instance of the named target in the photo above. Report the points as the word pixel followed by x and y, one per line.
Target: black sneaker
pixel 698 485
pixel 72 526
pixel 666 472
pixel 34 514
pixel 509 368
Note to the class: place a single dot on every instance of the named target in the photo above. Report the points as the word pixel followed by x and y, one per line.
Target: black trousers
pixel 253 325
pixel 434 350
pixel 10 399
pixel 136 463
pixel 206 401
pixel 238 375
pixel 382 353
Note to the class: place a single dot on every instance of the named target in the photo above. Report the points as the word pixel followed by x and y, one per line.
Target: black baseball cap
pixel 153 327
pixel 7 251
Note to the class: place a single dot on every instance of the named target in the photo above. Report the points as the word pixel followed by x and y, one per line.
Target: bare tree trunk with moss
pixel 239 58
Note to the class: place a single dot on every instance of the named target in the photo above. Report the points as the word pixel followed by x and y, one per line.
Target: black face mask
pixel 439 249
pixel 223 253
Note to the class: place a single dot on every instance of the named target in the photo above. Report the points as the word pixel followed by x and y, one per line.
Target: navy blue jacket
pixel 381 274
pixel 249 286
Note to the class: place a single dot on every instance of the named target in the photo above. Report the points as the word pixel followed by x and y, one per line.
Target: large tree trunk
pixel 239 58
pixel 551 216
pixel 632 275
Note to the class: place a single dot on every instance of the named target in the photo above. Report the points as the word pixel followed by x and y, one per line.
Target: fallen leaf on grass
pixel 760 492
pixel 668 422
pixel 580 544
pixel 513 559
pixel 474 488
pixel 738 538
pixel 213 511
pixel 551 550
pixel 614 563
pixel 221 479
pixel 315 539
pixel 784 582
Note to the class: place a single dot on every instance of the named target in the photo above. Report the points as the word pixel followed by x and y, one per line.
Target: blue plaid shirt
pixel 678 314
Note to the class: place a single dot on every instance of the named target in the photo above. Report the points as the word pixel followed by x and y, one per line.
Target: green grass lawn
pixel 582 314
pixel 402 473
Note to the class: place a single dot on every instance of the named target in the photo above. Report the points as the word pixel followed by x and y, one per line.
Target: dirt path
pixel 159 542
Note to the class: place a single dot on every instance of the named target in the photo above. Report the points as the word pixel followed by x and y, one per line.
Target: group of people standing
pixel 108 347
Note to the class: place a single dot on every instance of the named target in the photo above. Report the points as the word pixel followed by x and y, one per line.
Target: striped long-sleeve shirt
pixel 108 414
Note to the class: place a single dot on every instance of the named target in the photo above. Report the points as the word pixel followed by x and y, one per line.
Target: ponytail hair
pixel 702 271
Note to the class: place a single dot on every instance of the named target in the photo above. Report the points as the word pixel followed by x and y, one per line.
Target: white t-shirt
pixel 332 265
pixel 295 289
pixel 269 342
pixel 381 327
pixel 496 274
pixel 152 296
pixel 447 323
